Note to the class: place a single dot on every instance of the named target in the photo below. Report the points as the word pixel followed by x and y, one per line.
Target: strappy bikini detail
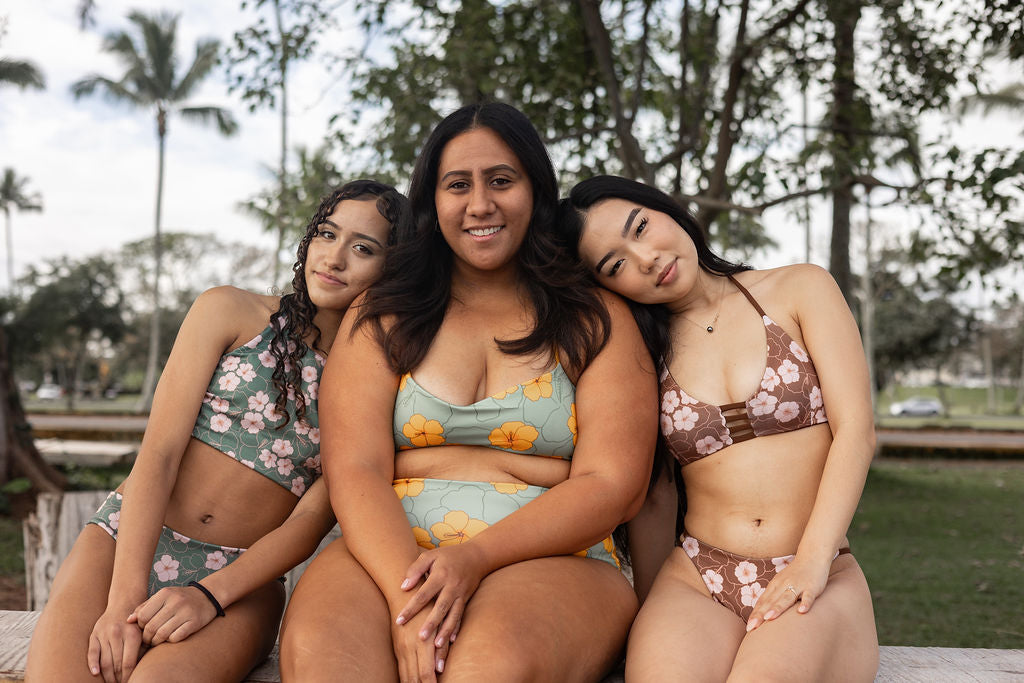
pixel 789 399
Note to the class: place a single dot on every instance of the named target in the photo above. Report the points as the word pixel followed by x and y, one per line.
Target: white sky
pixel 95 162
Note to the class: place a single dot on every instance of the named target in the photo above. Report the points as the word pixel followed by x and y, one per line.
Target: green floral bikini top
pixel 534 418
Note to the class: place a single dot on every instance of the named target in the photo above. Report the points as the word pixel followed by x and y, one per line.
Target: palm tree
pixel 151 81
pixel 21 73
pixel 14 196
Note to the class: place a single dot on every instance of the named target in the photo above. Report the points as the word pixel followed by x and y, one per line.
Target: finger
pixel 417 602
pixel 417 570
pixel 147 610
pixel 436 617
pixel 426 662
pixel 806 600
pixel 450 625
pixel 183 631
pixel 153 626
pixel 93 655
pixel 166 629
pixel 129 659
pixel 116 657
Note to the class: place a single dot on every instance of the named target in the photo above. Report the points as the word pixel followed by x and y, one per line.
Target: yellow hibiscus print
pixel 539 388
pixel 516 436
pixel 457 527
pixel 423 432
pixel 422 537
pixel 572 422
pixel 581 553
pixel 502 394
pixel 508 488
pixel 609 546
pixel 408 487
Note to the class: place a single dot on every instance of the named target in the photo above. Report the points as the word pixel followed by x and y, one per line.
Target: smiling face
pixel 642 254
pixel 484 200
pixel 347 254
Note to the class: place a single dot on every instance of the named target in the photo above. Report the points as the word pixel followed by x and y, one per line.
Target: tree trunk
pixel 152 359
pixel 844 15
pixel 282 168
pixel 18 454
pixel 10 252
pixel 1019 403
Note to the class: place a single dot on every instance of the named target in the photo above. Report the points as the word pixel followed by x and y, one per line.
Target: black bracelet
pixel 209 596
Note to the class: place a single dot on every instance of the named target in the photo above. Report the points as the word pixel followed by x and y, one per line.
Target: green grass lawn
pixel 942 545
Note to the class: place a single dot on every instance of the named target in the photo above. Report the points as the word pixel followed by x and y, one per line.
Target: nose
pixel 646 259
pixel 480 202
pixel 334 258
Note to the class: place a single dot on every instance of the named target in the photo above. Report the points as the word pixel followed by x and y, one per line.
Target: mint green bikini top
pixel 534 418
pixel 238 416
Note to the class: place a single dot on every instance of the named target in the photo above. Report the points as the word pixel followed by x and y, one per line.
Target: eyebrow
pixel 625 230
pixel 360 235
pixel 486 171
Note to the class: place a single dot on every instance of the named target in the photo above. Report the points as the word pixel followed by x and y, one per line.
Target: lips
pixel 667 273
pixel 328 279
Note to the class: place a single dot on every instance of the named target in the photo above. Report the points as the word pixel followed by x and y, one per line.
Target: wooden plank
pixel 90 453
pixel 15 632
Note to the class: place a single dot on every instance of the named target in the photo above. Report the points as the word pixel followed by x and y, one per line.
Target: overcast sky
pixel 94 162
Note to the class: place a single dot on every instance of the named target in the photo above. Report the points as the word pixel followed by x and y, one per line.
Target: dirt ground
pixel 12 593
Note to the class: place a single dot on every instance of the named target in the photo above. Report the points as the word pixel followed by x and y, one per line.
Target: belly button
pixel 757 522
pixel 206 519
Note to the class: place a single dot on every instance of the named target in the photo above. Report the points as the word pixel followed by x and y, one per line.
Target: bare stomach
pixel 754 498
pixel 218 500
pixel 479 463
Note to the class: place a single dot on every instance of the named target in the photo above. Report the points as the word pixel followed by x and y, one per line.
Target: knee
pixel 494 660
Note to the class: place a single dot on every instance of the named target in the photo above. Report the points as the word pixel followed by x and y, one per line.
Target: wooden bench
pixel 903 664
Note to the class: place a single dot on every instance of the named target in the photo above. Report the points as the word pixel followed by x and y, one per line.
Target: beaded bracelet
pixel 209 596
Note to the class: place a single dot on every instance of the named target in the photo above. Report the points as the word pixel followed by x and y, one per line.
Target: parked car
pixel 918 406
pixel 49 392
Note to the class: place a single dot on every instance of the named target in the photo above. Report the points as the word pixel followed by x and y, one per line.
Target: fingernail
pixel 453 637
pixel 439 642
pixel 440 666
pixel 94 671
pixel 751 625
pixel 424 634
pixel 405 584
pixel 802 609
pixel 400 620
pixel 770 614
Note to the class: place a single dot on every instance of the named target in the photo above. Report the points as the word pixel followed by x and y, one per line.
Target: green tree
pixel 260 59
pixel 19 72
pixel 14 196
pixel 152 81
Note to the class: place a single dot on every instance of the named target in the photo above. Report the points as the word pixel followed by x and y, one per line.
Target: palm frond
pixel 159 35
pixel 207 57
pixel 1009 99
pixel 223 118
pixel 114 91
pixel 21 73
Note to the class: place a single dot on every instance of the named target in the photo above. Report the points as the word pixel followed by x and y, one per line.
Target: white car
pixel 917 406
pixel 49 392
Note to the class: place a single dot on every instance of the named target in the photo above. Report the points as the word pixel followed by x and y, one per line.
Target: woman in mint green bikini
pixel 193 535
pixel 503 427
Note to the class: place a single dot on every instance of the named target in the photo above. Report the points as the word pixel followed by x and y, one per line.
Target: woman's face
pixel 347 254
pixel 484 199
pixel 642 254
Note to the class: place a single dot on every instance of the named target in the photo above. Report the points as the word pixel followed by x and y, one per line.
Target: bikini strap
pixel 753 302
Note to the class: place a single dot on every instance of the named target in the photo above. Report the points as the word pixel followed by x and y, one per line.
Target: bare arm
pixel 652 533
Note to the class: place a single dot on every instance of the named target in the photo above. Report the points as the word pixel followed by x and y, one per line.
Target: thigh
pixel 549 619
pixel 834 641
pixel 226 649
pixel 680 632
pixel 337 625
pixel 60 641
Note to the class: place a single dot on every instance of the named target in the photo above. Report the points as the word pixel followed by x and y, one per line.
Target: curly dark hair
pixel 416 286
pixel 293 320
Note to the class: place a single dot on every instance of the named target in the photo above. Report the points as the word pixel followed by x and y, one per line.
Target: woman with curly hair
pixel 192 535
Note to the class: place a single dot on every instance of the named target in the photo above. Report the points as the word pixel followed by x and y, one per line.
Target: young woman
pixel 774 448
pixel 504 427
pixel 229 461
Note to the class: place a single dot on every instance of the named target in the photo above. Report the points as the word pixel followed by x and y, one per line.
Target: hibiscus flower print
pixel 669 401
pixel 166 568
pixel 510 488
pixel 746 572
pixel 314 390
pixel 819 417
pixel 228 382
pixel 246 372
pixel 114 519
pixel 815 398
pixel 215 560
pixel 457 527
pixel 684 419
pixel 691 546
pixel 539 388
pixel 298 486
pixel 787 411
pixel 302 427
pixel 219 405
pixel 308 373
pixel 506 392
pixel 514 436
pixel 713 580
pixel 312 464
pixel 422 432
pixel 267 359
pixel 220 423
pixel 259 400
pixel 571 422
pixel 771 380
pixel 285 466
pixel 798 352
pixel 268 459
pixel 685 399
pixel 781 562
pixel 708 445
pixel 272 413
pixel 666 425
pixel 314 435
pixel 283 447
pixel 253 422
pixel 750 593
pixel 255 341
pixel 763 404
pixel 422 537
pixel 789 372
pixel 408 487
pixel 180 538
pixel 229 364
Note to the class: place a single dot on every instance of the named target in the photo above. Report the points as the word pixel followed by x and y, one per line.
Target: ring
pixel 791 588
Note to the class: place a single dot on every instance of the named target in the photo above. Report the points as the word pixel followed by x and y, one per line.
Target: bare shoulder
pixel 794 285
pixel 616 306
pixel 230 313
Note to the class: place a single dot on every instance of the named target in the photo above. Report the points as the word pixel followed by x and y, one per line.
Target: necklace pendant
pixel 710 329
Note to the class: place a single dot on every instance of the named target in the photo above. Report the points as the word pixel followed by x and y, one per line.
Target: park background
pixel 881 139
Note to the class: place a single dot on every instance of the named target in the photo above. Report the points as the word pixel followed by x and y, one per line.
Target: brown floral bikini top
pixel 788 399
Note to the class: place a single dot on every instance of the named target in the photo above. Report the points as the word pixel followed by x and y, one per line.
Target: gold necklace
pixel 710 327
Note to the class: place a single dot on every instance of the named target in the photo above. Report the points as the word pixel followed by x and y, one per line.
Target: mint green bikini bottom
pixel 443 512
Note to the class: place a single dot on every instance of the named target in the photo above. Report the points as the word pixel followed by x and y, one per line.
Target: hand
pixel 451 575
pixel 418 658
pixel 798 584
pixel 114 646
pixel 172 615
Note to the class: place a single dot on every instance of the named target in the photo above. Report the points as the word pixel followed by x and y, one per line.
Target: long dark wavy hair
pixel 415 289
pixel 652 319
pixel 293 322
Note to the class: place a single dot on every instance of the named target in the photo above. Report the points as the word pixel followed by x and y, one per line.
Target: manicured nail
pixel 440 666
pixel 439 642
pixel 751 625
pixel 770 614
pixel 405 584
pixel 94 671
pixel 453 637
pixel 424 634
pixel 400 620
pixel 802 609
